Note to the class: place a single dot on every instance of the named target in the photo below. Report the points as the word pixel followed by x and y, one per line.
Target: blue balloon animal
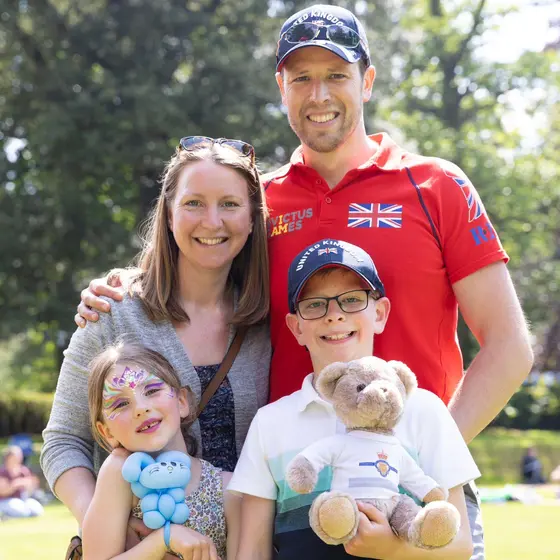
pixel 160 485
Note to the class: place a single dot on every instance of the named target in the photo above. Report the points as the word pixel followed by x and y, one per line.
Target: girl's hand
pixel 375 538
pixel 191 545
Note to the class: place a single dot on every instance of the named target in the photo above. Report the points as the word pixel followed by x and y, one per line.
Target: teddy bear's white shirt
pixel 368 465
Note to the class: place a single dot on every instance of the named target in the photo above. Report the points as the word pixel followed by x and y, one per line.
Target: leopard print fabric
pixel 207 507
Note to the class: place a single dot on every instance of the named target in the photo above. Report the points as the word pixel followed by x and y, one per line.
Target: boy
pixel 337 304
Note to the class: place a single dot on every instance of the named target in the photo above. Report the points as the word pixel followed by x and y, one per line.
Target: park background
pixel 95 94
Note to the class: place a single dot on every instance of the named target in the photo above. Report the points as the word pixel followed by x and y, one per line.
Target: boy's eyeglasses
pixel 338 34
pixel 192 142
pixel 349 302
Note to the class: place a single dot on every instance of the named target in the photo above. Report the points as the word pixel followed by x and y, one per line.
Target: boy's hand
pixel 375 538
pixel 110 286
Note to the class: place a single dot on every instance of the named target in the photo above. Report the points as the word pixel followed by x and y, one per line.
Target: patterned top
pixel 217 422
pixel 206 504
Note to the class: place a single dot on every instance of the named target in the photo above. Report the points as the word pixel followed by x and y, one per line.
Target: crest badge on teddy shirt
pixel 382 464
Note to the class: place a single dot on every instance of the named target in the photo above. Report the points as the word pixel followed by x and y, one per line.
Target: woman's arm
pixel 75 490
pixel 375 539
pixel 257 519
pixel 67 453
pixel 232 508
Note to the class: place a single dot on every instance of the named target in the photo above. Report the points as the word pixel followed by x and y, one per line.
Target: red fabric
pixel 417 274
pixel 23 473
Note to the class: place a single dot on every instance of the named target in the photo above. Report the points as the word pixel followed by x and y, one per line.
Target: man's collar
pixel 308 394
pixel 388 156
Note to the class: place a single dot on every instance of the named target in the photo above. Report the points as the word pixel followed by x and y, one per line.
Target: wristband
pixel 167 535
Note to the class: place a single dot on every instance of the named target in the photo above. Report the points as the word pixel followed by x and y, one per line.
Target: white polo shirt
pixel 283 428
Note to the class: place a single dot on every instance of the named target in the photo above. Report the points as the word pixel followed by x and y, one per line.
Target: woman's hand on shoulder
pixel 192 545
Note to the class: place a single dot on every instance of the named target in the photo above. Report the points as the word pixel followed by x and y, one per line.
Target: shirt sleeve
pixel 68 441
pixel 431 436
pixel 469 241
pixel 252 474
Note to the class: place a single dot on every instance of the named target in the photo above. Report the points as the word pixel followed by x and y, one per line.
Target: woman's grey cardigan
pixel 68 441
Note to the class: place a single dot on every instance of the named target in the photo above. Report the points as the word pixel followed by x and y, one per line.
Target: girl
pixel 136 403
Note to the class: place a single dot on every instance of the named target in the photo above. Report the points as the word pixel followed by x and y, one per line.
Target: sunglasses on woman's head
pixel 192 142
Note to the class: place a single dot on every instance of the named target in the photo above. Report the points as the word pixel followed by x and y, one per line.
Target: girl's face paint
pixel 118 390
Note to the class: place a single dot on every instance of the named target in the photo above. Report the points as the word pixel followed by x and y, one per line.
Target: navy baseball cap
pixel 330 27
pixel 330 253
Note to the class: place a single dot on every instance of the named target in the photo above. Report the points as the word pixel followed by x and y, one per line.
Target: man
pixel 420 219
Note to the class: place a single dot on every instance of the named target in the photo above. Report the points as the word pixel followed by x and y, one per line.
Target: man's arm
pixel 491 310
pixel 257 519
pixel 110 286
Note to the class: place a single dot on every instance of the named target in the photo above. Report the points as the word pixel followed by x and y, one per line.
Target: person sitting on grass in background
pixel 130 386
pixel 531 467
pixel 17 485
pixel 337 304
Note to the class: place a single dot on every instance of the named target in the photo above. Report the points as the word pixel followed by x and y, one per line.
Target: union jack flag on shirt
pixel 372 214
pixel 476 208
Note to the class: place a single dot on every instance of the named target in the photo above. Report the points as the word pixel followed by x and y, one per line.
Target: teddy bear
pixel 368 461
pixel 160 485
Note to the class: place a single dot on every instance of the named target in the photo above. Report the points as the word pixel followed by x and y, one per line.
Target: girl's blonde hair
pixel 156 283
pixel 130 352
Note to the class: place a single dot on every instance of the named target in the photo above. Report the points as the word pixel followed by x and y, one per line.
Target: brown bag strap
pixel 225 366
pixel 74 551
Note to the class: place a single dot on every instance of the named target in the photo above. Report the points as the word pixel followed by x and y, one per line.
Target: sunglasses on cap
pixel 337 34
pixel 192 142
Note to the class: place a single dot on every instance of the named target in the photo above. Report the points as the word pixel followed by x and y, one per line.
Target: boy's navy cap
pixel 324 16
pixel 328 253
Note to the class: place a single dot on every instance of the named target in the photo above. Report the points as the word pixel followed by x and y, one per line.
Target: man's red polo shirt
pixel 425 227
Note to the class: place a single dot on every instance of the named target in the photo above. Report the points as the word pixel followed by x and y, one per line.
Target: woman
pixel 202 273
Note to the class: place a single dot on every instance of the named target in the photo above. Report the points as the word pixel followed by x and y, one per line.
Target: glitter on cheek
pixel 113 415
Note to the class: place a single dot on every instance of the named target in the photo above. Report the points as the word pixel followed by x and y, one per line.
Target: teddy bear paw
pixel 334 517
pixel 301 475
pixel 435 525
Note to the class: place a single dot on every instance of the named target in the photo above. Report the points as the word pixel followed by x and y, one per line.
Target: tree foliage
pixel 94 97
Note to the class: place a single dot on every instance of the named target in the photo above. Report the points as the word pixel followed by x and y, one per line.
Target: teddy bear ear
pixel 328 378
pixel 405 375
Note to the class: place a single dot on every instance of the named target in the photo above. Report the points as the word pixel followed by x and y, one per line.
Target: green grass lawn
pixel 513 532
pixel 44 538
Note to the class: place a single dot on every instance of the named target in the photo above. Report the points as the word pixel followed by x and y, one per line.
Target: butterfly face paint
pixel 116 388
